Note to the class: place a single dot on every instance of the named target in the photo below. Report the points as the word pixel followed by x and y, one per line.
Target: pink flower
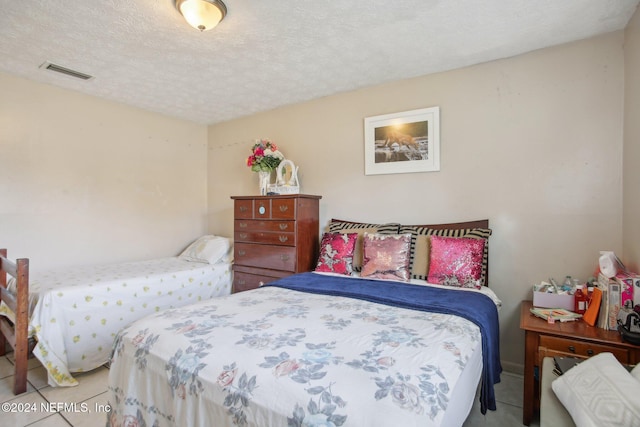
pixel 138 339
pixel 452 348
pixel 181 392
pixel 285 367
pixel 129 421
pixel 407 396
pixel 265 156
pixel 226 377
pixel 187 328
pixel 386 361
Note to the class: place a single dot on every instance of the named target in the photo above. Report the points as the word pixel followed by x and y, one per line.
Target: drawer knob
pixel 243 209
pixel 241 282
pixel 572 349
pixel 261 210
pixel 284 208
pixel 243 235
pixel 283 238
pixel 241 252
pixel 284 226
pixel 242 225
pixel 284 257
pixel 590 352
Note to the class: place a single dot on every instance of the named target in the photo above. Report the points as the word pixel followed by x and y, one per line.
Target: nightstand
pixel 274 237
pixel 543 339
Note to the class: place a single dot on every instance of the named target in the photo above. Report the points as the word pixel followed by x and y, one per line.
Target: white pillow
pixel 209 249
pixel 600 392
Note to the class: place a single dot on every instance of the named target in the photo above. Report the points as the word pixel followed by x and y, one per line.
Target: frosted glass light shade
pixel 202 15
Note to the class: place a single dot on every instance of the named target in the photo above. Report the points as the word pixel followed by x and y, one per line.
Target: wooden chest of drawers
pixel 274 237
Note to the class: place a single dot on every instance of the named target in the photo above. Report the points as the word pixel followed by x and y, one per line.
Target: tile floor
pixel 91 394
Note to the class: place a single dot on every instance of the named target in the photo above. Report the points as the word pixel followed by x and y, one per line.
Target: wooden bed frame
pixel 16 334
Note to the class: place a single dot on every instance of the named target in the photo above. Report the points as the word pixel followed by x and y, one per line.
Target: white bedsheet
pixel 277 357
pixel 76 313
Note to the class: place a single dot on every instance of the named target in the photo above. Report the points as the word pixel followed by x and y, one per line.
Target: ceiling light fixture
pixel 202 15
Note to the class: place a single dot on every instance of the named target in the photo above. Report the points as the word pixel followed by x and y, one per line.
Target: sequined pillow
pixel 420 235
pixel 456 261
pixel 386 256
pixel 336 253
pixel 342 226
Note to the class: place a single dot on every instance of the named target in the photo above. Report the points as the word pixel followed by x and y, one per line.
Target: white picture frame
pixel 404 142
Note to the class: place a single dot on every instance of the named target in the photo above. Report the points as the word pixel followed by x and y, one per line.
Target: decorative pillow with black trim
pixel 341 226
pixel 336 253
pixel 420 246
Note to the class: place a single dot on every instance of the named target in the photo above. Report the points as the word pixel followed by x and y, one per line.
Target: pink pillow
pixel 386 256
pixel 336 253
pixel 456 261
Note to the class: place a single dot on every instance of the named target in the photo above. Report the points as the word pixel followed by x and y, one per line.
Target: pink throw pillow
pixel 456 261
pixel 386 256
pixel 336 253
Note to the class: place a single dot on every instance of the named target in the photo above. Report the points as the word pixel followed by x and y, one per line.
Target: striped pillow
pixel 419 258
pixel 341 226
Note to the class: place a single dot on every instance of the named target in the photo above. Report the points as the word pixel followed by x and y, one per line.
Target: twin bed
pixel 323 348
pixel 70 317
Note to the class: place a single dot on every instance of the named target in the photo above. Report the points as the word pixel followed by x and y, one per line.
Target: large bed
pixel 314 348
pixel 75 313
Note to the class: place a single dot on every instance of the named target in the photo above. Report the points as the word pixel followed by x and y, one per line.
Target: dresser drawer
pixel 262 208
pixel 264 256
pixel 246 281
pixel 581 348
pixel 283 208
pixel 258 225
pixel 243 209
pixel 267 238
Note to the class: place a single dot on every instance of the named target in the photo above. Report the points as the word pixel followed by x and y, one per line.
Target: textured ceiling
pixel 269 53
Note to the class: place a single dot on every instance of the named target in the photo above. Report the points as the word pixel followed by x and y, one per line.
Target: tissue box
pixel 550 300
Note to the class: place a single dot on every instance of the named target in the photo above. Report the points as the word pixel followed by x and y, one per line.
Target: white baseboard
pixel 515 368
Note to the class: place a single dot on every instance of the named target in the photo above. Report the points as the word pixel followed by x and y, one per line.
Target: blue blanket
pixel 475 307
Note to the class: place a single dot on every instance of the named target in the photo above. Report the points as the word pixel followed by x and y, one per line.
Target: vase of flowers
pixel 264 159
pixel 264 179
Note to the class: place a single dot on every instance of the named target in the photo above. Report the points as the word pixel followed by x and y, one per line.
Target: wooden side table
pixel 543 339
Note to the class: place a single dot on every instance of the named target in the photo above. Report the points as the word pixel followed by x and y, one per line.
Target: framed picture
pixel 402 142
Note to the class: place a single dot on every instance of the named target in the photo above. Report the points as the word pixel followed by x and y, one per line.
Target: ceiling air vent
pixel 67 71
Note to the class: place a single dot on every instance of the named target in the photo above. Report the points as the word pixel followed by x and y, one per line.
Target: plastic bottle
pixel 589 292
pixel 580 300
pixel 567 286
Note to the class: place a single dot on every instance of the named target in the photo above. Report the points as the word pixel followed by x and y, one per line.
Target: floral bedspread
pixel 277 357
pixel 76 314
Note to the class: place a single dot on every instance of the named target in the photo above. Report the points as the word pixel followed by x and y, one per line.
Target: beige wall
pixel 631 164
pixel 83 180
pixel 534 143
